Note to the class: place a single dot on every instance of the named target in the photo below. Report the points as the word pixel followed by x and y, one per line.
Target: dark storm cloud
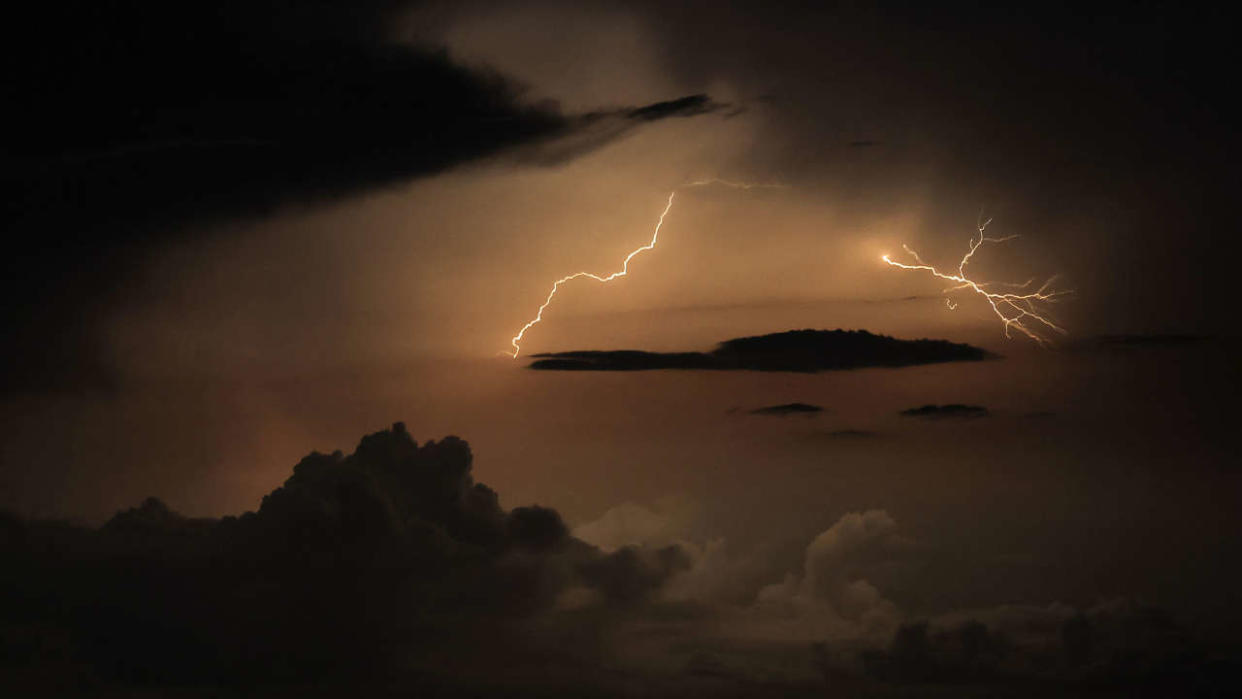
pixel 355 562
pixel 198 112
pixel 130 122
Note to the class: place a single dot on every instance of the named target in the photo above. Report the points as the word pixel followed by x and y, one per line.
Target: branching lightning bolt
pixel 625 265
pixel 1018 309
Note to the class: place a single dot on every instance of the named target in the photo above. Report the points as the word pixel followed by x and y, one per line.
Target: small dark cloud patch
pixel 794 350
pixel 949 410
pixel 785 409
pixel 864 143
pixel 1039 415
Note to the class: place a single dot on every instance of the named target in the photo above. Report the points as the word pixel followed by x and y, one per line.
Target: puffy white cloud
pixel 628 524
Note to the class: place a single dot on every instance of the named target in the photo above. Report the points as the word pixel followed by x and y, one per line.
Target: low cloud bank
pixel 354 565
pixel 392 568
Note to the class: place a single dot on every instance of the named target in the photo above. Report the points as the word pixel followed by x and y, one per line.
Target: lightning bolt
pixel 1020 309
pixel 516 342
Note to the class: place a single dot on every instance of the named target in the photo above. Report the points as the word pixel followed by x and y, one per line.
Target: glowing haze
pixel 625 264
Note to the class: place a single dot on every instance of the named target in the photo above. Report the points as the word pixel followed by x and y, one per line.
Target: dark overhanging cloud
pixel 199 113
pixel 136 122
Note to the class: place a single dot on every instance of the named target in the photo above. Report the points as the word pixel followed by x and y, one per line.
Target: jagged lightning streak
pixel 1018 309
pixel 625 265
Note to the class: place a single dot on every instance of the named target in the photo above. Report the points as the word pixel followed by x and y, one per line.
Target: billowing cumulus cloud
pixel 832 598
pixel 631 524
pixel 356 562
pixel 392 565
pixel 829 597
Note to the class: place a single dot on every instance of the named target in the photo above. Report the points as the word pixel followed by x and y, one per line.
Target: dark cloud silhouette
pixel 200 112
pixel 786 409
pixel 354 563
pixel 794 350
pixel 949 410
pixel 132 122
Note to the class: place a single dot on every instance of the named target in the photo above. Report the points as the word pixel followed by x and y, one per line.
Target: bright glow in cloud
pixel 625 265
pixel 1020 309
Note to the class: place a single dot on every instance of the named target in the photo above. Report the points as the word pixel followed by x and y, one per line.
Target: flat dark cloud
pixel 794 350
pixel 131 123
pixel 948 410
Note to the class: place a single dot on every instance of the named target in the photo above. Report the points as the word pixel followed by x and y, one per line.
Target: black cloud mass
pixel 354 564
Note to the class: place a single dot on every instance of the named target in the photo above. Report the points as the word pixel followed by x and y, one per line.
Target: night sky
pixel 264 264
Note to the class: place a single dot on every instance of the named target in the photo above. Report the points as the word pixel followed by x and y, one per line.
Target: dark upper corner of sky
pixel 130 117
